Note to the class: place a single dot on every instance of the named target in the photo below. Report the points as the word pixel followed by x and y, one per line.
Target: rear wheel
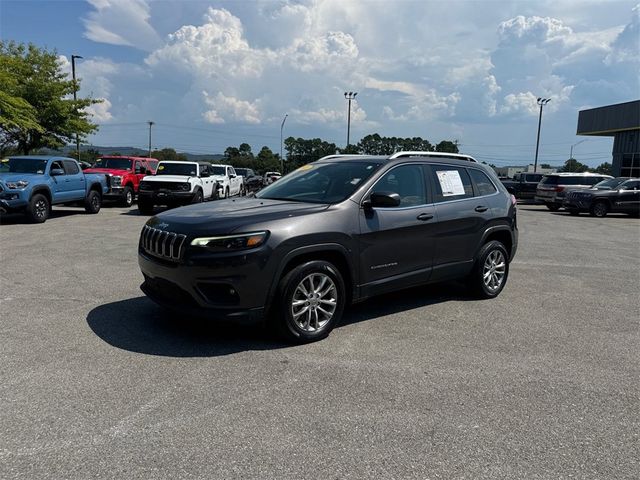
pixel 600 209
pixel 311 299
pixel 226 192
pixel 553 207
pixel 490 273
pixel 92 202
pixel 38 209
pixel 127 197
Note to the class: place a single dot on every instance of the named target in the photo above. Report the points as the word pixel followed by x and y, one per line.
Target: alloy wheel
pixel 493 271
pixel 314 302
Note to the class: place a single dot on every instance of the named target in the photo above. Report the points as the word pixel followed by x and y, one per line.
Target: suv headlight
pixel 17 185
pixel 231 242
pixel 116 180
pixel 184 186
pixel 144 186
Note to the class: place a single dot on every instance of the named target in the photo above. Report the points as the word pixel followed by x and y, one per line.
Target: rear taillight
pixel 558 189
pixel 513 200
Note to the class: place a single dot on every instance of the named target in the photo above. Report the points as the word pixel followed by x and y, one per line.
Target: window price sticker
pixel 450 183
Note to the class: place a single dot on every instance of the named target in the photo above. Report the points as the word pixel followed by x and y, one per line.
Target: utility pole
pixel 75 98
pixel 150 125
pixel 349 96
pixel 281 129
pixel 542 102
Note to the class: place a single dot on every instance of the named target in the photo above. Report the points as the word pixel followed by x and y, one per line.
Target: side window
pixel 407 181
pixel 451 183
pixel 592 180
pixel 57 165
pixel 631 185
pixel 484 186
pixel 71 167
pixel 232 171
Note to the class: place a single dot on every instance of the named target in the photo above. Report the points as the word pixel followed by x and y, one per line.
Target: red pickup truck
pixel 123 175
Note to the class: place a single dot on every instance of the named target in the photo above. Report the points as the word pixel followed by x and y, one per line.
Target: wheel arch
pixel 43 190
pixel 501 233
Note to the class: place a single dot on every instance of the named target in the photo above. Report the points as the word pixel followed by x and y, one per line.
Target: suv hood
pixel 225 216
pixel 167 178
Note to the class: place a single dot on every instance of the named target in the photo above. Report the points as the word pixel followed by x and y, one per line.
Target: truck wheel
pixel 226 192
pixel 311 299
pixel 144 207
pixel 489 275
pixel 197 197
pixel 127 197
pixel 38 209
pixel 92 202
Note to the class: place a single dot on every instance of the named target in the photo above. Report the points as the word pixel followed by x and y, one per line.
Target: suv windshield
pixel 23 165
pixel 188 169
pixel 321 182
pixel 217 170
pixel 609 183
pixel 113 163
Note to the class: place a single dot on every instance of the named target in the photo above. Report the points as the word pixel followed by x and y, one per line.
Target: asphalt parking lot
pixel 542 382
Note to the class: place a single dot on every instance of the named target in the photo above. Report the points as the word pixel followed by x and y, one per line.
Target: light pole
pixel 75 89
pixel 349 96
pixel 574 145
pixel 542 102
pixel 281 129
pixel 150 125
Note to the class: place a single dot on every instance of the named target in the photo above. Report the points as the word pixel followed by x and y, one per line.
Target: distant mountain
pixel 131 151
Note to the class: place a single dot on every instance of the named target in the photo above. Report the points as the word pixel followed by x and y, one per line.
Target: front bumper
pixel 577 203
pixel 114 193
pixel 12 201
pixel 165 197
pixel 222 286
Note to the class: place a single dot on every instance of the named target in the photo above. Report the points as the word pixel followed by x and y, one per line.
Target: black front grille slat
pixel 162 186
pixel 161 243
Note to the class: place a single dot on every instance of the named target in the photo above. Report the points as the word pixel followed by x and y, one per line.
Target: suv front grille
pixel 163 186
pixel 162 244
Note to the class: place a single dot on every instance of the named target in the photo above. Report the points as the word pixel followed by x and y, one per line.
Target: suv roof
pixel 575 174
pixel 405 154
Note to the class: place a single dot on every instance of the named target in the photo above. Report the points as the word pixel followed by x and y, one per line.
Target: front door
pixel 63 188
pixel 629 197
pixel 397 244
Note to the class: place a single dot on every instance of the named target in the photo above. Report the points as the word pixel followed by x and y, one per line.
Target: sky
pixel 213 74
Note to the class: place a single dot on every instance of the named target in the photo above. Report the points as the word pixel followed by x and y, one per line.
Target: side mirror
pixel 56 172
pixel 382 200
pixel 232 176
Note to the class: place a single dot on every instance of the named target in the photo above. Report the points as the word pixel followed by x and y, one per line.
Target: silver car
pixel 553 187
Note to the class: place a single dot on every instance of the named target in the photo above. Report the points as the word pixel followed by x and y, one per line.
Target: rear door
pixel 461 216
pixel 629 197
pixel 75 179
pixel 397 244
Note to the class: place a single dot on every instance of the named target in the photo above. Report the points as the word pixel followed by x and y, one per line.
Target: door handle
pixel 424 217
pixel 481 209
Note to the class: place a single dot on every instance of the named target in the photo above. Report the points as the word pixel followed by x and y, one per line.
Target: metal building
pixel 622 122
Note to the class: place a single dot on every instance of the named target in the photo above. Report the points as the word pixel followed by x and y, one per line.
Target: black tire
pixel 92 202
pixel 282 316
pixel 198 197
pixel 226 192
pixel 127 197
pixel 574 211
pixel 491 251
pixel 38 209
pixel 553 207
pixel 145 207
pixel 599 209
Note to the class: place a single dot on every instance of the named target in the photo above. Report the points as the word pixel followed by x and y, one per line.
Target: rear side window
pixel 450 183
pixel 484 186
pixel 71 167
pixel 592 180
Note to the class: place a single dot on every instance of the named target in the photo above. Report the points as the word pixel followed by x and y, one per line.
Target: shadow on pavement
pixel 21 219
pixel 139 325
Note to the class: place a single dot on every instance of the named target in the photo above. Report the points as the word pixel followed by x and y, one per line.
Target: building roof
pixel 609 120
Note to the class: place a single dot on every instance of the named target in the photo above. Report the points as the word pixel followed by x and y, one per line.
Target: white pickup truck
pixel 176 183
pixel 229 182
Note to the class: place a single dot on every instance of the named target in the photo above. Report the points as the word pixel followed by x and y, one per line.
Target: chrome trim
pixel 161 243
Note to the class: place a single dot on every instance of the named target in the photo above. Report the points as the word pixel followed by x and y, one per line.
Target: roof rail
pixel 343 155
pixel 432 154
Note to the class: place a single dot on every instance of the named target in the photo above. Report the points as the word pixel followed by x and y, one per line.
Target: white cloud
pixel 121 22
pixel 230 108
pixel 100 111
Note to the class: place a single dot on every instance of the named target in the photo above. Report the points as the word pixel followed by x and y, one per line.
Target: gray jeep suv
pixel 332 232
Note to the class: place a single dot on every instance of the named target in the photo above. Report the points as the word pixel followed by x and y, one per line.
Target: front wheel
pixel 197 197
pixel 38 209
pixel 491 270
pixel 311 299
pixel 599 209
pixel 93 202
pixel 127 197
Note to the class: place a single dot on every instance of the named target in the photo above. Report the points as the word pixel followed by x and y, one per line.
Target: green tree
pixel 169 154
pixel 90 155
pixel 604 168
pixel 301 151
pixel 572 165
pixel 447 147
pixel 36 108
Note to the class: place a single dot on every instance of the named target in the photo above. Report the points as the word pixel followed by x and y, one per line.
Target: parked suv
pixel 332 232
pixel 554 186
pixel 620 194
pixel 176 183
